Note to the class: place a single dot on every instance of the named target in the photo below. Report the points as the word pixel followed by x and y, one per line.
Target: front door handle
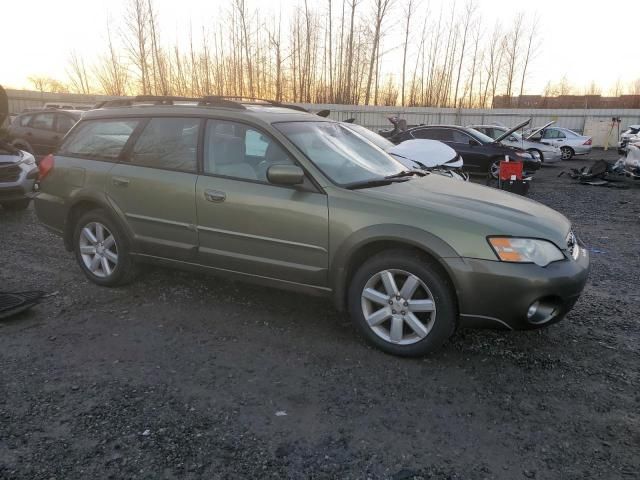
pixel 215 196
pixel 120 182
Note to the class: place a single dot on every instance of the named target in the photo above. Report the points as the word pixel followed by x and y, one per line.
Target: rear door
pixel 153 187
pixel 246 224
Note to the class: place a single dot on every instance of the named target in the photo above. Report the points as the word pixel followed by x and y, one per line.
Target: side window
pixel 561 134
pixel 427 133
pixel 64 123
pixel 99 139
pixel 43 121
pixel 459 137
pixel 550 134
pixel 25 120
pixel 239 151
pixel 168 143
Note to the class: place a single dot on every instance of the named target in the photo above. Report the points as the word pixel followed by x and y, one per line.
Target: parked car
pixel 481 153
pixel 569 142
pixel 428 155
pixel 18 172
pixel 287 199
pixel 631 162
pixel 510 136
pixel 631 134
pixel 39 132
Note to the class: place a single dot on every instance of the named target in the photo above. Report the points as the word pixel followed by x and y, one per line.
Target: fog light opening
pixel 543 310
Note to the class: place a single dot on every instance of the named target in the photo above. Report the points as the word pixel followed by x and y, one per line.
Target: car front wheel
pixel 402 304
pixel 101 250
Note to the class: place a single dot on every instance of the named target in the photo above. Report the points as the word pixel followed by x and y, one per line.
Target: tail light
pixel 45 167
pixel 588 142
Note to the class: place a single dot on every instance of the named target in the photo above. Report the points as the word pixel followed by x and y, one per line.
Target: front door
pixel 154 185
pixel 246 224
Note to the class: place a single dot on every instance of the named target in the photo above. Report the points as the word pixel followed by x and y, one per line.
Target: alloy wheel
pixel 566 153
pixel 398 307
pixel 98 249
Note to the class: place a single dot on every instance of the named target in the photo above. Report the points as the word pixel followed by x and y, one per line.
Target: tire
pixel 533 150
pixel 16 205
pixel 116 272
pixel 437 321
pixel 567 153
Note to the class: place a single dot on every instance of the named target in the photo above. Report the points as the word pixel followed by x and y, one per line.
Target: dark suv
pixel 260 192
pixel 481 153
pixel 39 132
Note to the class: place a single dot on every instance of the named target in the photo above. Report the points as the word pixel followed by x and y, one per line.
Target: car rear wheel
pixel 402 304
pixel 102 250
pixel 16 205
pixel 567 153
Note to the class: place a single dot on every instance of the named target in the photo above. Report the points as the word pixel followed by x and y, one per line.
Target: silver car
pixel 569 142
pixel 508 136
pixel 630 135
pixel 18 173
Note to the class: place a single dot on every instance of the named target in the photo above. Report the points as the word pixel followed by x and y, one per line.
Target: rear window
pixel 100 139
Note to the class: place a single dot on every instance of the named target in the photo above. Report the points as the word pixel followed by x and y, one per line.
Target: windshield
pixel 342 155
pixel 479 135
pixel 373 137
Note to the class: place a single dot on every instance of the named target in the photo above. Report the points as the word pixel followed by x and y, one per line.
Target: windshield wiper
pixel 406 173
pixel 379 182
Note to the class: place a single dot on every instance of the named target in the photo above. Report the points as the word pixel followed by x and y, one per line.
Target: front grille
pixel 9 172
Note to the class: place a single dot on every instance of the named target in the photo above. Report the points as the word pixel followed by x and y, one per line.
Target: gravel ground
pixel 187 376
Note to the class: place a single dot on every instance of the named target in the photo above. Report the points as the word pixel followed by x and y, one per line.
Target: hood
pixel 535 131
pixel 481 208
pixel 430 153
pixel 509 132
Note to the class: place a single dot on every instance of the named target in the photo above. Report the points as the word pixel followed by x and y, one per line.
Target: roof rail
pixel 258 101
pixel 168 100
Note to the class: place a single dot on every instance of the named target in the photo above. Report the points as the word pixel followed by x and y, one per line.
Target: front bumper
pixel 493 294
pixel 22 187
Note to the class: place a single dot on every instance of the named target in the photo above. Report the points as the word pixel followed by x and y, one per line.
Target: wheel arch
pixel 364 244
pixel 84 203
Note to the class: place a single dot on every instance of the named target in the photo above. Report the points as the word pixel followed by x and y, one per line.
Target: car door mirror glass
pixel 285 175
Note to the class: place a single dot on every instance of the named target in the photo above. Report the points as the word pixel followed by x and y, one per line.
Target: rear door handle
pixel 215 196
pixel 120 182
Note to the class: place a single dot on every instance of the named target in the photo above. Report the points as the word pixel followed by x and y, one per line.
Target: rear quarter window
pixel 99 139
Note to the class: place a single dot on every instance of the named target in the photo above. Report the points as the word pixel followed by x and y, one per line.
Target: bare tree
pixel 381 8
pixel 529 53
pixel 512 52
pixel 467 20
pixel 77 73
pixel 407 28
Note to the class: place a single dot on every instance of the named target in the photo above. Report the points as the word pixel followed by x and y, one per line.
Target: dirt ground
pixel 187 376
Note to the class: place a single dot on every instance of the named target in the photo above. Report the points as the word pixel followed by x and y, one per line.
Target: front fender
pixel 409 236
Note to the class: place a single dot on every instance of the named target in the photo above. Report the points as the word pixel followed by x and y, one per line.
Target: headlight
pixel 28 160
pixel 525 250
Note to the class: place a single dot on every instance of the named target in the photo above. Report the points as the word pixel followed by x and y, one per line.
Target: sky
pixel 580 39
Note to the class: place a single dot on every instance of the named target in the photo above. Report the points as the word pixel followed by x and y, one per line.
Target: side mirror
pixel 285 175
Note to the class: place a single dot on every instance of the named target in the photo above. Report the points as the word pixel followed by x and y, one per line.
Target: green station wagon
pixel 261 191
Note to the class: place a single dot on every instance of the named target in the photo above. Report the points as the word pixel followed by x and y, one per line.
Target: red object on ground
pixel 507 169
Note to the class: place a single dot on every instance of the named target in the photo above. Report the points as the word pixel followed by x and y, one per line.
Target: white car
pixel 632 161
pixel 18 173
pixel 509 136
pixel 630 135
pixel 569 142
pixel 430 155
